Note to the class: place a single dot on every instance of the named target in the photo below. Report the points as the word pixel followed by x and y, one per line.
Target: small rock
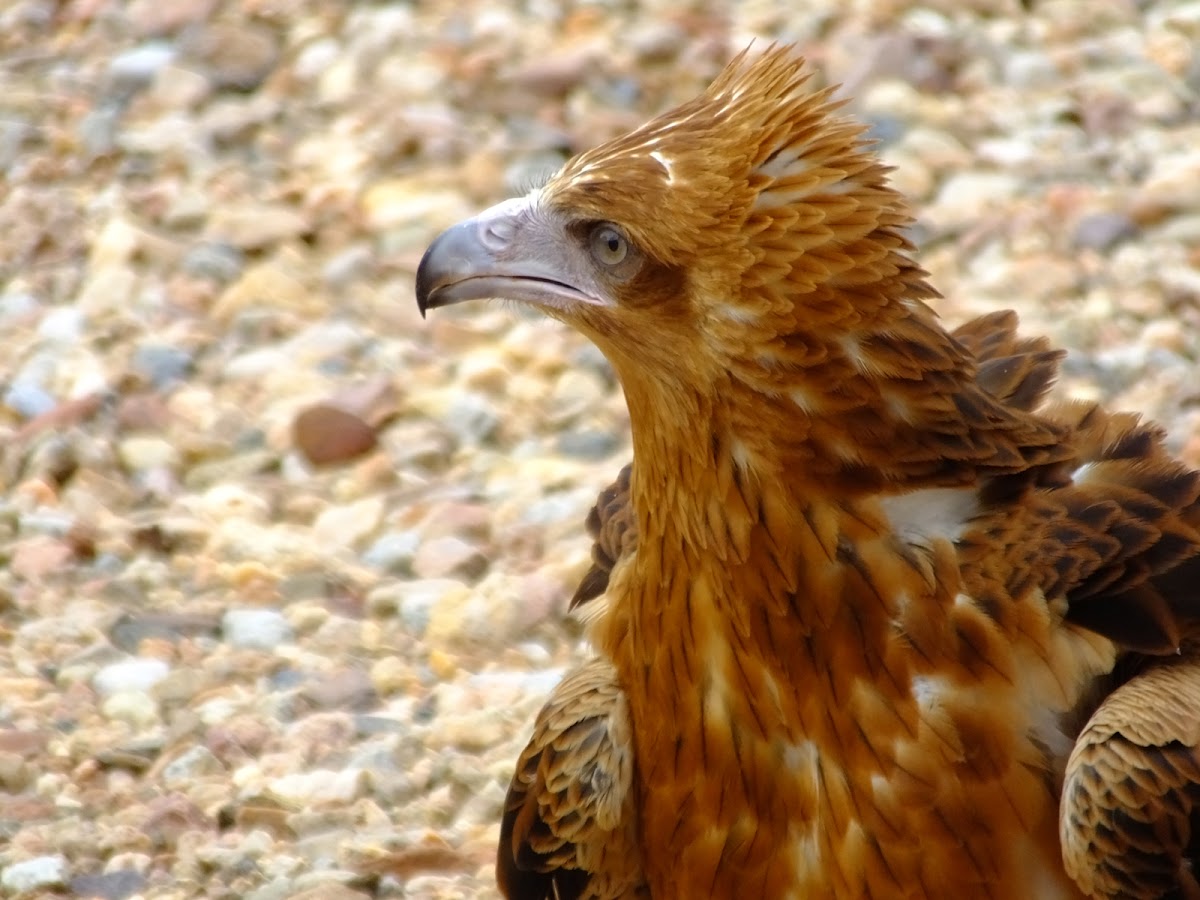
pixel 137 674
pixel 445 556
pixel 154 17
pixel 193 763
pixel 29 400
pixel 267 285
pixel 472 418
pixel 116 885
pixel 137 67
pixel 64 324
pixel 348 689
pixel 136 708
pixel 391 675
pixel 966 197
pixel 326 434
pixel 320 786
pixel 15 772
pixel 42 872
pixel 216 260
pixel 392 204
pixel 16 306
pixel 346 267
pixel 415 600
pixel 588 444
pixel 256 629
pixel 233 56
pixel 1103 230
pixel 161 364
pixel 39 556
pixel 345 525
pixel 393 552
pixel 99 129
pixel 251 227
pixel 142 453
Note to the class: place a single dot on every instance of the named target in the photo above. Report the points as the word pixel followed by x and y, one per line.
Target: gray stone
pixel 162 365
pixel 137 67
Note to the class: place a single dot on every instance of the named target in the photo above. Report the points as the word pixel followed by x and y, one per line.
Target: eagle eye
pixel 608 245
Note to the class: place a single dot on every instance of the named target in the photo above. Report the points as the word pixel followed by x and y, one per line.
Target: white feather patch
pixel 920 516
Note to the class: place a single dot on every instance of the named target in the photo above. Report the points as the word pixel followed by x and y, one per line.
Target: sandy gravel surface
pixel 285 567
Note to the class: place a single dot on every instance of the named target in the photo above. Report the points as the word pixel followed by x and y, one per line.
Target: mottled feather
pixel 569 830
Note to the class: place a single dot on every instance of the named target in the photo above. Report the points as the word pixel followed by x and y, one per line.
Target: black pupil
pixel 613 241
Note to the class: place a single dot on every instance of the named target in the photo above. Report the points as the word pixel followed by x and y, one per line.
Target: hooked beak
pixel 506 252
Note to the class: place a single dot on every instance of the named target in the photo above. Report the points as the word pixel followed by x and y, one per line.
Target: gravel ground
pixel 285 566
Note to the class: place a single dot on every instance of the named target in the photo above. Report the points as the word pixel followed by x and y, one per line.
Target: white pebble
pixel 32 874
pixel 257 629
pixel 139 674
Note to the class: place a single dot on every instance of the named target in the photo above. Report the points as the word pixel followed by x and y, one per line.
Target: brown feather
pixel 569 827
pixel 1131 799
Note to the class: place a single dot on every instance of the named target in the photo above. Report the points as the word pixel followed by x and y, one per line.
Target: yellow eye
pixel 608 245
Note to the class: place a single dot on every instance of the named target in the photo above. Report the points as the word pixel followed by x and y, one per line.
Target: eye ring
pixel 608 245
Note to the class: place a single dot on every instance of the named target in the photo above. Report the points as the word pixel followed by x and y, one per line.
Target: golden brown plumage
pixel 569 827
pixel 862 588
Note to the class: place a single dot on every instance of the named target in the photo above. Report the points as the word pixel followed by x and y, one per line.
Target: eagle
pixel 873 616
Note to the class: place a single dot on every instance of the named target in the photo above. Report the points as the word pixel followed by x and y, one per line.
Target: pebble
pixel 140 453
pixel 162 365
pixel 1103 231
pixel 216 260
pixel 40 873
pixel 195 762
pixel 393 553
pixel 327 434
pixel 136 674
pixel 137 67
pixel 442 557
pixel 29 400
pixel 115 885
pixel 256 629
pixel 346 525
pixel 320 786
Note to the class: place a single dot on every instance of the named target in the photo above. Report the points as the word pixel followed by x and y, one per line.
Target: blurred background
pixel 284 567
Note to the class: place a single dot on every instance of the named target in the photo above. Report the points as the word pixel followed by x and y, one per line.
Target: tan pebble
pixel 347 524
pixel 158 648
pixel 15 772
pixel 114 245
pixel 442 557
pixel 35 492
pixel 1171 51
pixel 267 285
pixel 390 675
pixel 442 664
pixel 1166 333
pixel 132 707
pixel 141 453
pixel 251 573
pixel 402 201
pixel 307 617
pixel 252 226
pixel 320 786
pixel 486 371
pixel 36 557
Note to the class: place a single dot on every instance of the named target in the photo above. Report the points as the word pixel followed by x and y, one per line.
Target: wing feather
pixel 569 830
pixel 1130 814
